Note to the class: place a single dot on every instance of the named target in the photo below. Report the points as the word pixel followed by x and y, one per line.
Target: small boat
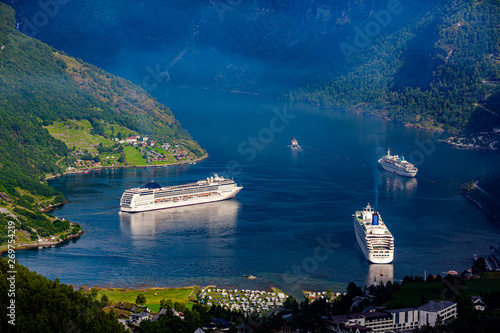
pixel 295 144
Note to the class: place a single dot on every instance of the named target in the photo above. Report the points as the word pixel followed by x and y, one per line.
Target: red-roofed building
pixel 131 139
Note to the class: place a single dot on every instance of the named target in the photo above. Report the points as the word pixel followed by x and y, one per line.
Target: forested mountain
pixel 419 62
pixel 434 71
pixel 39 85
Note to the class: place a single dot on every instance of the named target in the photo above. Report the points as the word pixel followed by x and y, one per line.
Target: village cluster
pixel 247 301
pixel 178 151
pixel 478 141
pixel 135 140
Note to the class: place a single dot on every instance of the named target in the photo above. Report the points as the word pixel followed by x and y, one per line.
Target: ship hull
pixel 194 199
pixel 397 171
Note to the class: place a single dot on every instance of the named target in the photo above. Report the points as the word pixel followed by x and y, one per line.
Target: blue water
pixel 293 203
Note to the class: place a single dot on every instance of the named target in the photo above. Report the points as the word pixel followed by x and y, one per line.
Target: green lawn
pixel 180 295
pixel 133 156
pixel 109 158
pixel 170 158
pixel 77 134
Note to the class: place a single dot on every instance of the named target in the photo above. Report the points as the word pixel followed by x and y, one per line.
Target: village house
pixel 127 306
pixel 136 318
pixel 478 303
pixel 131 139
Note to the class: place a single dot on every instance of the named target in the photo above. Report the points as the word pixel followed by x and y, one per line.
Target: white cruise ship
pixel 373 236
pixel 152 196
pixel 397 165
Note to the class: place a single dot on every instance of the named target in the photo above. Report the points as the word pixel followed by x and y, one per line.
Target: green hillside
pixel 42 88
pixel 433 71
pixel 41 305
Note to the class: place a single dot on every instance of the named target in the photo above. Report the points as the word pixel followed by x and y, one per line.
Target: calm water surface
pixel 293 203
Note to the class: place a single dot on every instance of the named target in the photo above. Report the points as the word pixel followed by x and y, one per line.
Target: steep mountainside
pixel 433 71
pixel 39 85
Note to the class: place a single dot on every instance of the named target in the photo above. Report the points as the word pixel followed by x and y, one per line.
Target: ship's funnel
pixel 375 218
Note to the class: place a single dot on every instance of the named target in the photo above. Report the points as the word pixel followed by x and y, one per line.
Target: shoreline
pixel 80 171
pixel 47 244
pixel 53 207
pixel 26 246
pixel 147 289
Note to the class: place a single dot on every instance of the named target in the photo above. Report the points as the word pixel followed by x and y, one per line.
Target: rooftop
pixel 435 306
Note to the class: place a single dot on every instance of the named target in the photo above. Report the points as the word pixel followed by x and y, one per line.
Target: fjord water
pixel 291 225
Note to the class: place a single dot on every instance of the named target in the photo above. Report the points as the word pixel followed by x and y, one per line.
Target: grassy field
pixel 109 157
pixel 489 282
pixel 170 158
pixel 112 130
pixel 76 133
pixel 133 156
pixel 153 295
pixel 411 294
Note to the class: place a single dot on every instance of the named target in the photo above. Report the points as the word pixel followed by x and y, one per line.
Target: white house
pixel 131 139
pixel 478 303
pixel 138 317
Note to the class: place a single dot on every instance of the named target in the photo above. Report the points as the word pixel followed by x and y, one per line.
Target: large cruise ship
pixel 152 196
pixel 373 236
pixel 397 165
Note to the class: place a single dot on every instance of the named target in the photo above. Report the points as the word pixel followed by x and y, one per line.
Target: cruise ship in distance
pixel 397 165
pixel 152 196
pixel 373 236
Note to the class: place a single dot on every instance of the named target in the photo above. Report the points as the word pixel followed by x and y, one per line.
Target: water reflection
pixel 211 217
pixel 398 187
pixel 379 273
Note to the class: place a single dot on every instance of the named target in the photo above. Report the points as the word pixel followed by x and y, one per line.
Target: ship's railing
pixel 174 187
